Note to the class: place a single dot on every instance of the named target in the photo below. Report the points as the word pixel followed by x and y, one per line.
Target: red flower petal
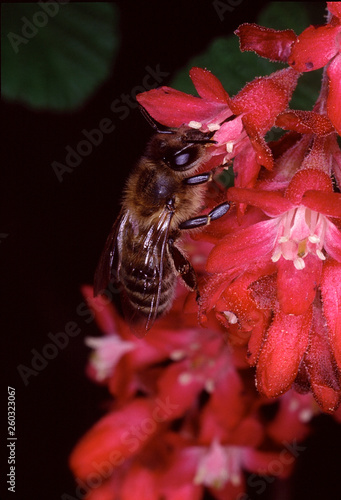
pixel 263 152
pixel 336 158
pixel 249 432
pixel 217 416
pixel 296 288
pixel 103 311
pixel 264 98
pixel 208 86
pixel 238 300
pixel 180 394
pixel 332 242
pixel 242 247
pixel 331 295
pixel 324 202
pixel 308 179
pixel 334 8
pixel 139 480
pixel 264 463
pixel 173 108
pixel 266 42
pixel 255 344
pixel 321 365
pixel 334 95
pixel 271 202
pixel 292 417
pixel 245 167
pixel 103 491
pixel 111 438
pixel 176 482
pixel 314 48
pixel 305 122
pixel 283 350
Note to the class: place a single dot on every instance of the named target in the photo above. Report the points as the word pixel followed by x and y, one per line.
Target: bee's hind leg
pixel 204 220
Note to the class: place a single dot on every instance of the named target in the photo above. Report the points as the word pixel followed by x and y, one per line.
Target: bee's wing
pixel 109 262
pixel 154 243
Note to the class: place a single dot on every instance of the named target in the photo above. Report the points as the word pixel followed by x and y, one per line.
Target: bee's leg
pixel 205 177
pixel 199 179
pixel 182 266
pixel 204 220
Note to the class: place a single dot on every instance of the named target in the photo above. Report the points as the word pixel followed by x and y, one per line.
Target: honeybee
pixel 160 201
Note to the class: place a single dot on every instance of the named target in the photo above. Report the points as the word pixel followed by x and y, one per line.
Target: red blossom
pixel 247 119
pixel 266 42
pixel 185 419
pixel 173 108
pixel 314 48
pixel 134 444
pixel 293 245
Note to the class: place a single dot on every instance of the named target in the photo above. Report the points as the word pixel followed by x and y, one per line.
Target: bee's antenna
pixel 153 123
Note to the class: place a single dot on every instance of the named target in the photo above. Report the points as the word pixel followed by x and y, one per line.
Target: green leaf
pixel 234 68
pixel 55 55
pixel 284 15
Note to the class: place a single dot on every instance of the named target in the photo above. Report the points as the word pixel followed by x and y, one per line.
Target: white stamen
pixel 231 317
pixel 276 256
pixel 212 127
pixel 194 124
pixel 209 386
pixel 177 355
pixel 320 254
pixel 305 415
pixel 229 146
pixel 293 405
pixel 299 263
pixel 313 238
pixel 235 479
pixel 283 239
pixel 185 378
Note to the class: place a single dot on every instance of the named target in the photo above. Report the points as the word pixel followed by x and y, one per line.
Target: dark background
pixel 56 231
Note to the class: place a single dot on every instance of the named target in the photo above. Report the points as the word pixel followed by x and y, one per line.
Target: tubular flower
pixel 314 48
pixel 238 124
pixel 186 419
pixel 268 283
pixel 183 381
pixel 288 253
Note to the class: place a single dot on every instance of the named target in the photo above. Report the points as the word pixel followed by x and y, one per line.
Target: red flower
pixel 314 48
pixel 185 419
pixel 167 374
pixel 291 247
pixel 239 122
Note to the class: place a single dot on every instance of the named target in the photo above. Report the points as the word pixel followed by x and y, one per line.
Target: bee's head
pixel 178 148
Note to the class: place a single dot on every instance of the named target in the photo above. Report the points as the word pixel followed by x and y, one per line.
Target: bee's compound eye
pixel 183 160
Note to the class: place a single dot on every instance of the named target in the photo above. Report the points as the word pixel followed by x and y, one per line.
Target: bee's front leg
pixel 204 220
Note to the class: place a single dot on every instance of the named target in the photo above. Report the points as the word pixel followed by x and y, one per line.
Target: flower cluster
pixel 275 269
pixel 186 417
